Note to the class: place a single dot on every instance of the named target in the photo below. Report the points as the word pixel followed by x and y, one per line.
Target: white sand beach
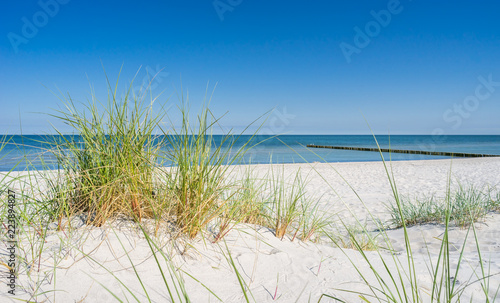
pixel 89 263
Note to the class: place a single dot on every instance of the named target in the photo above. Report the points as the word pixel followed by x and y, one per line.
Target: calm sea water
pixel 285 149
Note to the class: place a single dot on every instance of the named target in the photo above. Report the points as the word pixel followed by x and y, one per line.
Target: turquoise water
pixel 286 148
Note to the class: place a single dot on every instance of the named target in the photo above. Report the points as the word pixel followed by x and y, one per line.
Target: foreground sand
pixel 275 270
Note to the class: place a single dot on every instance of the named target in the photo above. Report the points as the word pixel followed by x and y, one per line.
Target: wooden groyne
pixel 403 151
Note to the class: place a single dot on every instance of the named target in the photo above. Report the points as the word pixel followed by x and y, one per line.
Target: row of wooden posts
pixel 403 151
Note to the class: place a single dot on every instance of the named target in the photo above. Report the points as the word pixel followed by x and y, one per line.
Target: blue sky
pixel 408 67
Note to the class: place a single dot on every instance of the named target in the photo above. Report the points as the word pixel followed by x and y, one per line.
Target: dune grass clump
pixel 245 204
pixel 468 205
pixel 273 202
pixel 249 200
pixel 494 201
pixel 420 211
pixel 198 177
pixel 312 220
pixel 108 164
pixel 465 205
pixel 284 202
pixel 354 236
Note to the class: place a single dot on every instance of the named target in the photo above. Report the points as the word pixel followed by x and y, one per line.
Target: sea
pixel 32 151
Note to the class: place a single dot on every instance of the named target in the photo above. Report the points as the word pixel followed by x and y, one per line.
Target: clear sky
pixel 409 67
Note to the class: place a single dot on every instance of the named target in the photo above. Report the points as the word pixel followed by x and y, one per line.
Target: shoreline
pixel 387 161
